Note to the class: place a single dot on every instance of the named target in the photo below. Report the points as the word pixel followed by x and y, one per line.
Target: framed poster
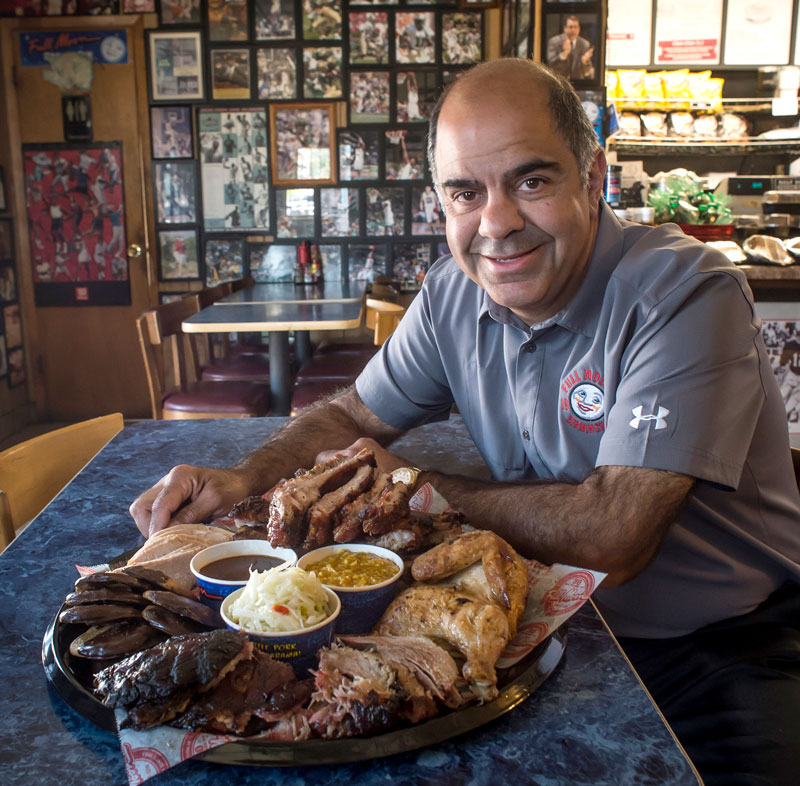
pixel 230 74
pixel 781 331
pixel 358 154
pixel 179 12
pixel 75 201
pixel 410 262
pixel 322 67
pixel 678 43
pixel 176 66
pixel 303 143
pixel 176 192
pixel 339 211
pixel 224 260
pixel 758 33
pixel 234 169
pixel 171 131
pixel 426 212
pixel 322 20
pixel 295 212
pixel 462 37
pixel 177 255
pixel 274 20
pixel 276 74
pixel 386 211
pixel 227 20
pixel 369 97
pixel 272 262
pixel 415 95
pixel 331 254
pixel 415 37
pixel 572 44
pixel 405 154
pixel 366 261
pixel 6 239
pixel 369 37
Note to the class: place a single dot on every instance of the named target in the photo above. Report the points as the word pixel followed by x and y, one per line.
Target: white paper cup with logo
pixel 362 607
pixel 207 566
pixel 298 648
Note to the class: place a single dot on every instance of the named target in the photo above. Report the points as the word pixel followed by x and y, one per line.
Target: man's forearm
pixel 613 522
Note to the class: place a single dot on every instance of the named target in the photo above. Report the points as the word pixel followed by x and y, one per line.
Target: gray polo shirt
pixel 657 362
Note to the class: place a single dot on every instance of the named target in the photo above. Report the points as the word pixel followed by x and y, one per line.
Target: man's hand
pixel 587 56
pixel 566 50
pixel 386 461
pixel 187 495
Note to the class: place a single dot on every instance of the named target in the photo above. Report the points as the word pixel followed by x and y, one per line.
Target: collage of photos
pixel 310 125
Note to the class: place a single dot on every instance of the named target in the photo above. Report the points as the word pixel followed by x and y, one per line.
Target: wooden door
pixel 84 360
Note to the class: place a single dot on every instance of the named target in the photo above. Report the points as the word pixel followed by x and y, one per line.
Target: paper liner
pixel 556 593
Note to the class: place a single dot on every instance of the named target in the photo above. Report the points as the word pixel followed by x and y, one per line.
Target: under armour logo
pixel 660 418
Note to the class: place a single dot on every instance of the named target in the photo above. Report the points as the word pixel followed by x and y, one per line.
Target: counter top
pixel 590 723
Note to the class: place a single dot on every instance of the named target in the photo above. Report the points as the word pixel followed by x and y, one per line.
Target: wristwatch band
pixel 407 475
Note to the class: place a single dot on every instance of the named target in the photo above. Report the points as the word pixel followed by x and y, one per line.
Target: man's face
pixel 519 222
pixel 572 27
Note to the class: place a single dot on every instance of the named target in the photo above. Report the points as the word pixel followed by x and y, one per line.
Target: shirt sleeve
pixel 405 383
pixel 688 390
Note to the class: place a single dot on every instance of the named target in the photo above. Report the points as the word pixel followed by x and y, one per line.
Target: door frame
pixel 15 175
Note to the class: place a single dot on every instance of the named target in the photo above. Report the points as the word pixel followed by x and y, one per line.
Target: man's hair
pixel 567 114
pixel 571 16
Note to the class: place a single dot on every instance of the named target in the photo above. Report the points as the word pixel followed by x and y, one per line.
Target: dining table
pixel 278 309
pixel 589 722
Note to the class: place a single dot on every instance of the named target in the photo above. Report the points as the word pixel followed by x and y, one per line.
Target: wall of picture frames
pixel 277 121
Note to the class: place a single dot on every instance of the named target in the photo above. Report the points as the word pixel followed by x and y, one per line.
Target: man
pixel 614 379
pixel 570 55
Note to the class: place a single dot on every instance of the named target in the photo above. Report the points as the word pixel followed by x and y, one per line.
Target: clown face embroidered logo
pixel 583 400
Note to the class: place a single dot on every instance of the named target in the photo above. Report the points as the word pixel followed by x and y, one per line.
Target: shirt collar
pixel 581 313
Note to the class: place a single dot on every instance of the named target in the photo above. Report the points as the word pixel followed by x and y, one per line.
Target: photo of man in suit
pixel 569 54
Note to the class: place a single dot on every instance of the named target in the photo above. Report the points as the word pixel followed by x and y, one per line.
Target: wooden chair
pixel 328 372
pixel 173 376
pixel 33 472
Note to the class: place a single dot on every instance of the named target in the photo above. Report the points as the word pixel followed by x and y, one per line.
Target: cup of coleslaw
pixel 287 613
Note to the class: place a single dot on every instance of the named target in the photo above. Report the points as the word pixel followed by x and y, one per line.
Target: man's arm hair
pixel 332 423
pixel 614 521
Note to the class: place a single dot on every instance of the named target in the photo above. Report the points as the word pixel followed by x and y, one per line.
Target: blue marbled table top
pixel 589 723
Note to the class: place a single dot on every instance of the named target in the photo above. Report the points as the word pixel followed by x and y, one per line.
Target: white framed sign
pixel 628 37
pixel 758 33
pixel 679 42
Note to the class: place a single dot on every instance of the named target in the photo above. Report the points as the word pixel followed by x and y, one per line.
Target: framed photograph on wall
pixel 171 131
pixel 415 37
pixel 405 154
pixel 295 212
pixel 331 254
pixel 358 154
pixel 410 262
pixel 177 255
pixel 369 37
pixel 274 20
pixel 230 74
pixel 322 20
pixel 386 211
pixel 227 20
pixel 272 262
pixel 339 212
pixel 6 239
pixel 366 261
pixel 176 192
pixel 426 212
pixel 176 66
pixel 462 37
pixel 416 95
pixel 276 74
pixel 322 69
pixel 369 97
pixel 234 168
pixel 572 44
pixel 178 12
pixel 303 143
pixel 224 260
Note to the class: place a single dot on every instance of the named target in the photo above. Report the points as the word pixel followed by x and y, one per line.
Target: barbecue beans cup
pixel 297 647
pixel 223 568
pixel 362 606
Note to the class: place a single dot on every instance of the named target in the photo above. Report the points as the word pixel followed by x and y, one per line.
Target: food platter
pixel 515 684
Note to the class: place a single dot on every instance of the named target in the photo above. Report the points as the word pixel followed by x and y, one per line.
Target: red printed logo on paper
pixel 569 593
pixel 423 499
pixel 195 743
pixel 528 636
pixel 143 763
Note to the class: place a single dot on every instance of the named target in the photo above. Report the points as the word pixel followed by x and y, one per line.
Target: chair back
pixel 164 348
pixel 382 318
pixel 33 472
pixel 241 283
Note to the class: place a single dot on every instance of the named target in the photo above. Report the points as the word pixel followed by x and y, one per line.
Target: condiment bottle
pixel 316 262
pixel 303 259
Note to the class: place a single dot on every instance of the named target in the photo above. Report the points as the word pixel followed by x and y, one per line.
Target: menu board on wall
pixel 688 32
pixel 758 33
pixel 628 33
